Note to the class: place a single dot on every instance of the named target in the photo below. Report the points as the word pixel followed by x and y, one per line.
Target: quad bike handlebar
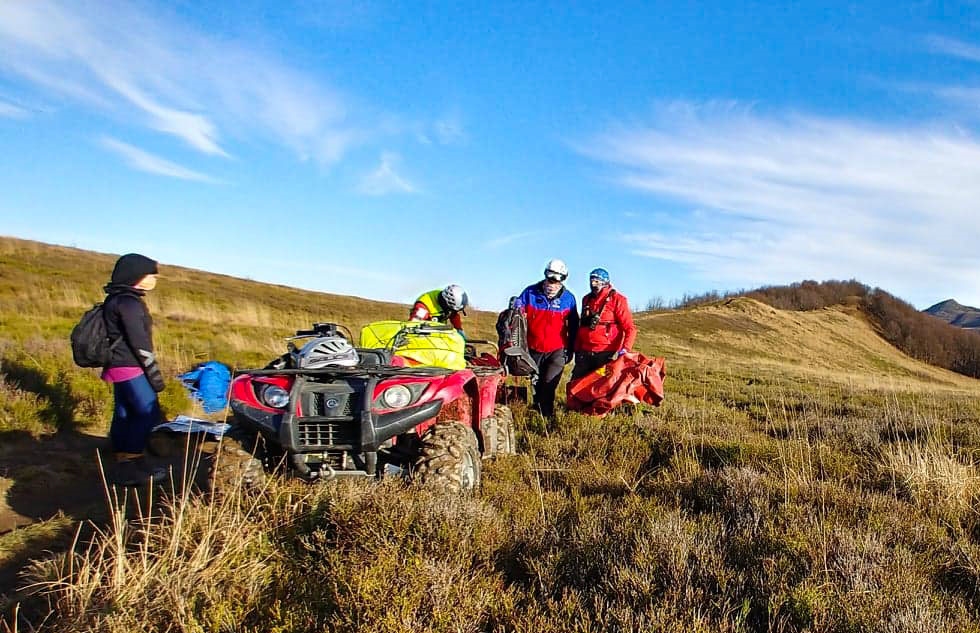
pixel 323 329
pixel 471 344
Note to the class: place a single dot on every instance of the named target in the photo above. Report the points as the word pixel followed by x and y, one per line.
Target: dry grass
pixel 802 475
pixel 932 474
pixel 193 564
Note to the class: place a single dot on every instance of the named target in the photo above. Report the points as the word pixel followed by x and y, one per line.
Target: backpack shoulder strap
pixel 602 306
pixel 113 343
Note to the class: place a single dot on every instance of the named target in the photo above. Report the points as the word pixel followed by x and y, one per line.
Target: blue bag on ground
pixel 208 384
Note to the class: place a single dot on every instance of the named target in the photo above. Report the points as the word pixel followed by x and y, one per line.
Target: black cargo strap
pixel 602 307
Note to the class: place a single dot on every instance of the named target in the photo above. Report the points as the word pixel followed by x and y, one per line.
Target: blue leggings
pixel 137 411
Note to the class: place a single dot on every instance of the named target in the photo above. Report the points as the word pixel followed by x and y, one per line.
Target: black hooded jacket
pixel 126 316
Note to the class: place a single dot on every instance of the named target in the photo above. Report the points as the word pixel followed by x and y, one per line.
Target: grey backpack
pixel 512 342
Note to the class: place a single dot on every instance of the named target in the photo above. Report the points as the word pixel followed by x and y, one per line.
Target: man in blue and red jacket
pixel 552 322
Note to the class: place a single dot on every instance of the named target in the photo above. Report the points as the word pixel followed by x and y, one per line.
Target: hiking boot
pixel 136 472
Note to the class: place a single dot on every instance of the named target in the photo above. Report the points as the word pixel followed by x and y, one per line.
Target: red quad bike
pixel 363 412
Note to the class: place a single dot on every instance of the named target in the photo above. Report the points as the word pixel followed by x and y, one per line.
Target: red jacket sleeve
pixel 419 312
pixel 625 320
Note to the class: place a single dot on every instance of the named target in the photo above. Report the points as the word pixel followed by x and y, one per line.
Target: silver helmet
pixel 454 298
pixel 327 351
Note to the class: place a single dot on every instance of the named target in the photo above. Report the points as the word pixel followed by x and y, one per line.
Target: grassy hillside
pixel 197 316
pixel 834 344
pixel 917 334
pixel 802 475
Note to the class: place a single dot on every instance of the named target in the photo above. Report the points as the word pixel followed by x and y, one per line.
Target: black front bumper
pixel 365 432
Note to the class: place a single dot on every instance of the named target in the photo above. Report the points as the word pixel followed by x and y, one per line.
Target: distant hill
pixel 911 330
pixel 956 314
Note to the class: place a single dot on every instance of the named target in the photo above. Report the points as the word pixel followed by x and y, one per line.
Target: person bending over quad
pixel 606 331
pixel 445 306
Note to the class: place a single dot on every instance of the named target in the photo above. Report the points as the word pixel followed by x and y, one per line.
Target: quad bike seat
pixel 373 357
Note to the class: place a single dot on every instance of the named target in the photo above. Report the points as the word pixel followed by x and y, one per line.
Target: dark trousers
pixel 588 362
pixel 550 366
pixel 137 411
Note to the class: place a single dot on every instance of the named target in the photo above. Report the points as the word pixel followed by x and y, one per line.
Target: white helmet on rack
pixel 454 298
pixel 327 351
pixel 556 270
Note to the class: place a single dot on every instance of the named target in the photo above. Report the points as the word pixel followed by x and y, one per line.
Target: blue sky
pixel 383 149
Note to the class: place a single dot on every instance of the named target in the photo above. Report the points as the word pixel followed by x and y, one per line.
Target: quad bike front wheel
pixel 236 463
pixel 449 458
pixel 498 432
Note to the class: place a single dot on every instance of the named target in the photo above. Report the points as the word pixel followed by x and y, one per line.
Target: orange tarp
pixel 630 378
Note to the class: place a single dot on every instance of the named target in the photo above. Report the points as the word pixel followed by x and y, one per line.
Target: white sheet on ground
pixel 187 424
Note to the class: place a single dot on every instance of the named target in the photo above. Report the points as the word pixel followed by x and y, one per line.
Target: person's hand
pixel 621 353
pixel 153 374
pixel 157 382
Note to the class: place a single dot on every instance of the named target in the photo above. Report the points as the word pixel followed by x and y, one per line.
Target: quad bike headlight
pixel 275 397
pixel 396 397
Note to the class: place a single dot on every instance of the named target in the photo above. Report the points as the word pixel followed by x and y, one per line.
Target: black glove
pixel 156 378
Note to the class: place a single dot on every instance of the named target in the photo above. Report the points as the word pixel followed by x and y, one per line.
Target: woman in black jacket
pixel 132 369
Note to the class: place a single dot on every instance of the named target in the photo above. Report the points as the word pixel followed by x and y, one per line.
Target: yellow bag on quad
pixel 424 343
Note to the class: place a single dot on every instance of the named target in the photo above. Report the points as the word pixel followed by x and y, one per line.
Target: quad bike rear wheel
pixel 498 432
pixel 449 458
pixel 236 463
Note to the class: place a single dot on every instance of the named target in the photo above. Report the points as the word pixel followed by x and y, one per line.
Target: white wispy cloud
pixel 385 179
pixel 504 240
pixel 149 67
pixel 960 96
pixel 446 130
pixel 450 130
pixel 144 161
pixel 196 130
pixel 11 111
pixel 773 199
pixel 952 47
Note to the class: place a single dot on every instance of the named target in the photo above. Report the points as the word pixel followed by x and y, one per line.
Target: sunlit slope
pixel 834 344
pixel 44 289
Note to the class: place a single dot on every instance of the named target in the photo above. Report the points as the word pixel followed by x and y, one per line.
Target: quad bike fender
pixel 264 419
pixel 488 387
pixel 460 384
pixel 462 405
pixel 389 425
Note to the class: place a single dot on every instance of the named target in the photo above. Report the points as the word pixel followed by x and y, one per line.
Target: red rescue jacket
pixel 551 323
pixel 615 330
